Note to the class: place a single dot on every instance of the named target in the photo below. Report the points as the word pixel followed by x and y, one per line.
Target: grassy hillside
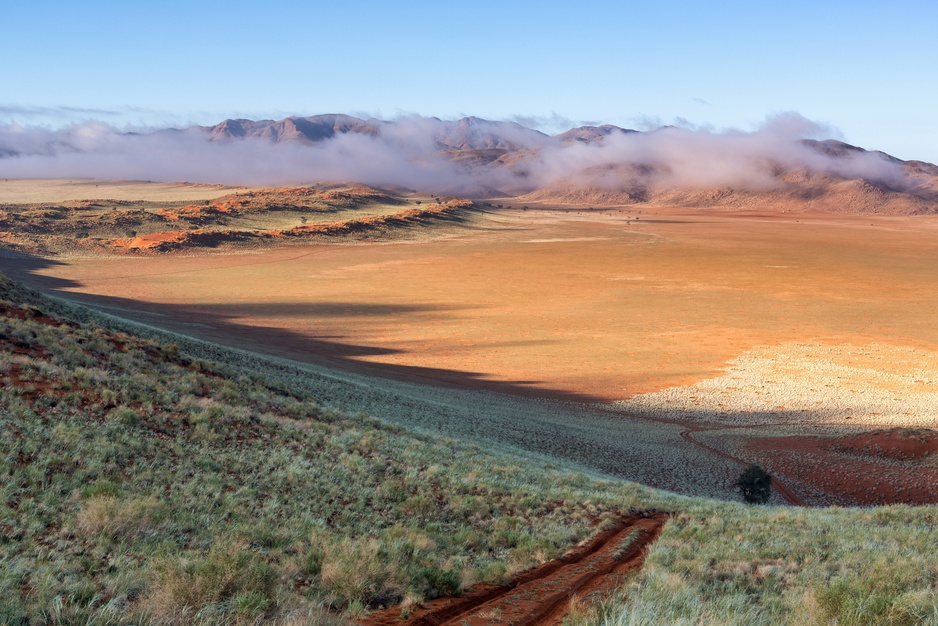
pixel 140 484
pixel 719 563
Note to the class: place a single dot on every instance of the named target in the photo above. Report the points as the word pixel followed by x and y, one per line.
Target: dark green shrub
pixel 755 484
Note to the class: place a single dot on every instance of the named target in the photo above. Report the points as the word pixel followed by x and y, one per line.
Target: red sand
pixel 848 475
pixel 153 240
pixel 896 443
pixel 594 308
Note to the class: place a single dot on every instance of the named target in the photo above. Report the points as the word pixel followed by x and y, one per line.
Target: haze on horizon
pixel 416 152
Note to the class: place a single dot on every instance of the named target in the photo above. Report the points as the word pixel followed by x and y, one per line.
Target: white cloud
pixel 406 152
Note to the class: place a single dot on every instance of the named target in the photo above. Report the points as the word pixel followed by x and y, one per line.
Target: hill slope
pixel 251 217
pixel 163 484
pixel 144 485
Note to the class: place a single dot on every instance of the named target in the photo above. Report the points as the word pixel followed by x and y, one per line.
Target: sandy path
pixel 781 488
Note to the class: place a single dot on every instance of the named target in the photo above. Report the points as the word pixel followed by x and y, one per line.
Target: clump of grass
pixel 227 579
pixel 721 563
pixel 361 570
pixel 106 515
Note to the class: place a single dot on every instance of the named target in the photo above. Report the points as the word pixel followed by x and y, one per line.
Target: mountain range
pixel 828 182
pixel 787 163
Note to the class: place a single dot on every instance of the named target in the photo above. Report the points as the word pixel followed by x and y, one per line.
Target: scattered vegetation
pixel 140 484
pixel 716 563
pixel 254 216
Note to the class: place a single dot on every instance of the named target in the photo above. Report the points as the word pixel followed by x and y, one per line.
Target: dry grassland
pixel 829 318
pixel 28 191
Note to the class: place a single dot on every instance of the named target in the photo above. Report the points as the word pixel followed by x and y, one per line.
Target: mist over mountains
pixel 789 158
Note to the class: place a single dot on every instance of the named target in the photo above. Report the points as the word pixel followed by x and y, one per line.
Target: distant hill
pixel 468 133
pixel 602 165
pixel 589 134
pixel 305 129
pixel 508 157
pixel 904 187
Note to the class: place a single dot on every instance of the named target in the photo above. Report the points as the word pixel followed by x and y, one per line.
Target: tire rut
pixel 541 596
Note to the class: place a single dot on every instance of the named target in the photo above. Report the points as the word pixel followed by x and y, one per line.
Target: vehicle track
pixel 541 596
pixel 790 496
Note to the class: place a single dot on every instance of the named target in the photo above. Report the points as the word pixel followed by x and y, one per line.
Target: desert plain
pixel 677 344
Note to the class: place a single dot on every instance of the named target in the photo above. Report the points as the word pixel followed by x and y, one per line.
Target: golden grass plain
pixel 34 190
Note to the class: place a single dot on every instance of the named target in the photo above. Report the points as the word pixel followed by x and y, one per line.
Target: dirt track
pixel 541 596
pixel 777 484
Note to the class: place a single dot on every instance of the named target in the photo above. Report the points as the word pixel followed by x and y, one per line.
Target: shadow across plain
pixel 219 324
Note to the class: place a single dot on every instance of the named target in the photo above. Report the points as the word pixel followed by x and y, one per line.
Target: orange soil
pixel 586 308
pixel 581 305
pixel 896 443
pixel 849 473
pixel 149 241
pixel 542 596
pixel 211 238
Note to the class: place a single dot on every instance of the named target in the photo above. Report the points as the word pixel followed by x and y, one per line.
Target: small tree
pixel 755 484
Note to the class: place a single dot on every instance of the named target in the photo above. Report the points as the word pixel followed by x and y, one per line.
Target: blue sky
pixel 865 68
